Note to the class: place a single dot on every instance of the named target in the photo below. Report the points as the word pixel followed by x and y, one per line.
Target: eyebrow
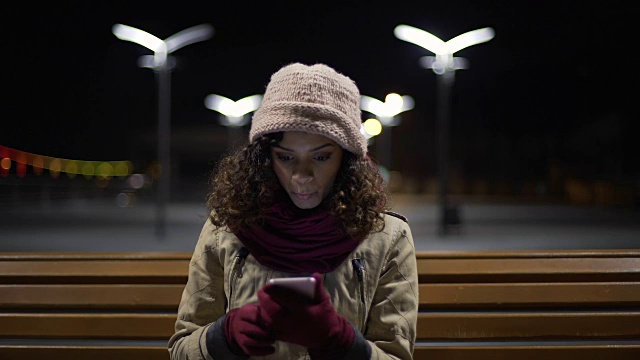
pixel 314 149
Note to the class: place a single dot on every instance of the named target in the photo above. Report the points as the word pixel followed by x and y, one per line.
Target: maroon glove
pixel 312 323
pixel 245 332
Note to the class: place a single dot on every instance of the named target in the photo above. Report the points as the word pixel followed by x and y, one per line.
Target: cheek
pixel 281 174
pixel 330 178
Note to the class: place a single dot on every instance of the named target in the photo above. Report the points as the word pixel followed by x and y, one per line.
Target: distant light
pixel 394 102
pixel 126 199
pixel 21 158
pixel 38 164
pixel 155 170
pixel 432 43
pixel 87 170
pixel 233 110
pixel 147 61
pixel 21 164
pixel 140 37
pixel 372 127
pixel 5 163
pixel 72 167
pixel 470 38
pixel 21 169
pixel 55 167
pixel 122 168
pixel 136 181
pixel 161 48
pixel 105 171
pixel 188 36
pixel 393 105
pixel 122 200
pixel 438 64
pixel 421 38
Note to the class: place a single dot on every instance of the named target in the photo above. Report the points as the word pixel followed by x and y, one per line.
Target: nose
pixel 302 174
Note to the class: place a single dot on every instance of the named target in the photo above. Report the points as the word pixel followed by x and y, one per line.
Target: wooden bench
pixel 529 305
pixel 89 305
pixel 473 305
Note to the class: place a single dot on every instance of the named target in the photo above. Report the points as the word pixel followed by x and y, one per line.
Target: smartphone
pixel 303 285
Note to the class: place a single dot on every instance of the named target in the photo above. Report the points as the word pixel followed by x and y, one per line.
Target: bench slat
pixel 525 269
pixel 546 352
pixel 87 326
pixel 94 271
pixel 528 254
pixel 10 352
pixel 528 326
pixel 529 295
pixel 95 255
pixel 113 296
pixel 431 326
pixel 432 296
pixel 557 352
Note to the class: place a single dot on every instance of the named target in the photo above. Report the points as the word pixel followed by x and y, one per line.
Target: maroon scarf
pixel 294 240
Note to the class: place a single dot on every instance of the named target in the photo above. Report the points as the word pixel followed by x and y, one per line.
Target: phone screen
pixel 304 285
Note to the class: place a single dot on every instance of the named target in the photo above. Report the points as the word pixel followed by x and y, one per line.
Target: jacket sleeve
pixel 394 311
pixel 203 300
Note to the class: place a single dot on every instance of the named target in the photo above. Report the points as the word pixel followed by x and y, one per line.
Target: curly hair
pixel 243 184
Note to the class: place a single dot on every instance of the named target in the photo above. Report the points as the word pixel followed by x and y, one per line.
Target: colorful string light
pixel 72 168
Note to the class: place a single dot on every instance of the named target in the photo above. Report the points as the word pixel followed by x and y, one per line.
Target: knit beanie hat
pixel 314 99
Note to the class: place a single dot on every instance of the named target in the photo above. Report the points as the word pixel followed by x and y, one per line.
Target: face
pixel 306 166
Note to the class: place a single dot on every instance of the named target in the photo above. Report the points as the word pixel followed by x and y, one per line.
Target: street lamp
pixel 387 113
pixel 444 65
pixel 162 64
pixel 233 113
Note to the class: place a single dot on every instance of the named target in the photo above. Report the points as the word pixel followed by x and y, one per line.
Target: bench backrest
pixel 89 305
pixel 473 305
pixel 529 305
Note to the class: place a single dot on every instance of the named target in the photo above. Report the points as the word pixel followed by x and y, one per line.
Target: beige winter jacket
pixel 376 289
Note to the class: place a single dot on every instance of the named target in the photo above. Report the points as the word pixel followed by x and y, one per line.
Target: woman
pixel 302 198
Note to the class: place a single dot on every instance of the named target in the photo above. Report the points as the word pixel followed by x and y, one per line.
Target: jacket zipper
pixel 359 268
pixel 236 272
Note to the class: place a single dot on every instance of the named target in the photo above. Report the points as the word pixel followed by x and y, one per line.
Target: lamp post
pixel 444 65
pixel 162 64
pixel 387 113
pixel 233 113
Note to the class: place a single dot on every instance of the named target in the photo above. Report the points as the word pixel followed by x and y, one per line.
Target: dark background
pixel 547 107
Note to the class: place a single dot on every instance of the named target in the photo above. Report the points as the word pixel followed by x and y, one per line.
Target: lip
pixel 305 196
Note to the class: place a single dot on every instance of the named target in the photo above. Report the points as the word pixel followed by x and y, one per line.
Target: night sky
pixel 553 88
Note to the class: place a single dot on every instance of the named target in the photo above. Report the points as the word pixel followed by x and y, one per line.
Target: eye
pixel 323 157
pixel 283 157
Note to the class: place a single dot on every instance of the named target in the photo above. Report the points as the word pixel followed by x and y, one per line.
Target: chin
pixel 305 204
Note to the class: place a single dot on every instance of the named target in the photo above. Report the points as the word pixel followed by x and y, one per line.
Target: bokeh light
pixel 136 181
pixel 105 171
pixel 39 163
pixel 123 168
pixel 5 163
pixel 155 170
pixel 126 199
pixel 87 170
pixel 372 127
pixel 55 167
pixel 21 169
pixel 71 169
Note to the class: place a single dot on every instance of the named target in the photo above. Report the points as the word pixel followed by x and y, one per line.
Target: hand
pixel 245 331
pixel 313 323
